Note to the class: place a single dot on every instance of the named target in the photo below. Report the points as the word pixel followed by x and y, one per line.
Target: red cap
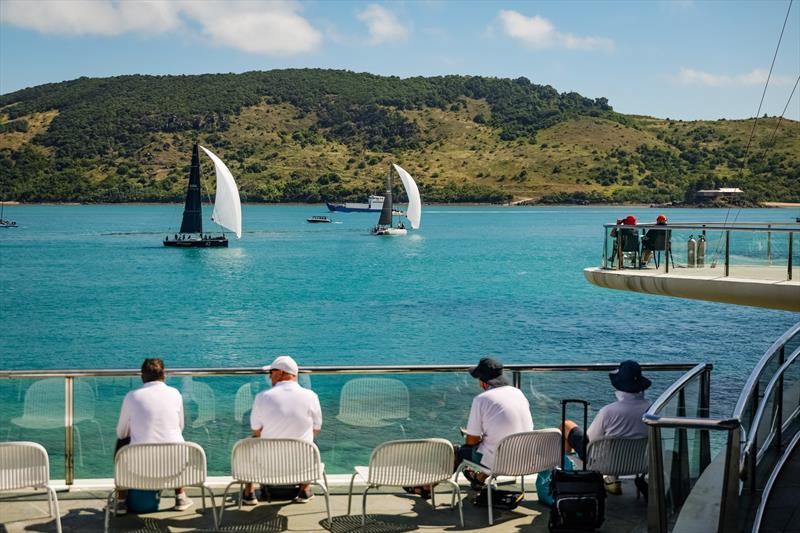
pixel 630 220
pixel 661 219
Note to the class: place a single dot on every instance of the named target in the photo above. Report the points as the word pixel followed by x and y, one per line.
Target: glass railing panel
pixel 795 238
pixel 758 255
pixel 33 410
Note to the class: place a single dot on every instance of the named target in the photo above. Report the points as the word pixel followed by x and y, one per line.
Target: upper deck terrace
pixel 749 263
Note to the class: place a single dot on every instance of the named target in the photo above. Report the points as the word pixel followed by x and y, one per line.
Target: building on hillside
pixel 705 195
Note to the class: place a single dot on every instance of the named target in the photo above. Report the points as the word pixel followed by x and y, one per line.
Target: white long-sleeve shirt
pixel 152 413
pixel 622 418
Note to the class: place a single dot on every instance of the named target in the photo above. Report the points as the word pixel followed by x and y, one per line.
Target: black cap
pixel 489 371
pixel 628 377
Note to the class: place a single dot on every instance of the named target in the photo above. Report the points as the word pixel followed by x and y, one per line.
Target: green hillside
pixel 313 135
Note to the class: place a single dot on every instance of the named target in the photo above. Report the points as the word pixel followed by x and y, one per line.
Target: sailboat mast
pixel 192 211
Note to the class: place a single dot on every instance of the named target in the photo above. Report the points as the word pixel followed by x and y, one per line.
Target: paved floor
pixel 388 511
pixel 782 513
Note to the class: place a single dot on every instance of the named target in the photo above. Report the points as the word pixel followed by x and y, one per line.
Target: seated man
pixel 622 418
pixel 286 411
pixel 653 240
pixel 151 413
pixel 499 411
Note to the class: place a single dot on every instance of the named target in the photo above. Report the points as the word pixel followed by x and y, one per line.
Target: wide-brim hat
pixel 628 377
pixel 489 371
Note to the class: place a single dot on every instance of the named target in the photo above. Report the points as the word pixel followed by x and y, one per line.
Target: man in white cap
pixel 286 411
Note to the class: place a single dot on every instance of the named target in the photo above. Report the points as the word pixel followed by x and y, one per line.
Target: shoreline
pixel 512 205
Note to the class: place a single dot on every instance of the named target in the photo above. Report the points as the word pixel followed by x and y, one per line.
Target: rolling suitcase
pixel 579 496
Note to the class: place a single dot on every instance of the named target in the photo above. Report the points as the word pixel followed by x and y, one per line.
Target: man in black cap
pixel 622 418
pixel 500 410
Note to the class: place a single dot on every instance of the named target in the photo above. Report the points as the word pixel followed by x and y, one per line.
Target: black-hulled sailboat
pixel 227 207
pixel 413 213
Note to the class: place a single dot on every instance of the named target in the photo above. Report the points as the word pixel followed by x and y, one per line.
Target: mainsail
pixel 227 205
pixel 414 211
pixel 386 210
pixel 192 215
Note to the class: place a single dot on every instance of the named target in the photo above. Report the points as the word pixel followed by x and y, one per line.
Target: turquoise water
pixel 92 287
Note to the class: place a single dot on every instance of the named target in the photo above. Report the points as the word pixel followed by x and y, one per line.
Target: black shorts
pixel 578 440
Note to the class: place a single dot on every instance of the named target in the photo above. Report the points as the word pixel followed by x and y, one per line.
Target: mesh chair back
pixel 656 240
pixel 526 453
pixel 618 457
pixel 23 464
pixel 630 240
pixel 373 402
pixel 275 461
pixel 160 466
pixel 411 462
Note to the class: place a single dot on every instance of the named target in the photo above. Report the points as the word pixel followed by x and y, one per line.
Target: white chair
pixel 24 465
pixel 618 456
pixel 160 466
pixel 520 455
pixel 404 463
pixel 276 462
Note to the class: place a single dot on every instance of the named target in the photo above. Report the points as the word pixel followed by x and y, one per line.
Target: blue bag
pixel 143 501
pixel 544 480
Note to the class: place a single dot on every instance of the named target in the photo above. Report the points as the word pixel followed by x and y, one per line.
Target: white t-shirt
pixel 496 414
pixel 622 418
pixel 152 413
pixel 286 411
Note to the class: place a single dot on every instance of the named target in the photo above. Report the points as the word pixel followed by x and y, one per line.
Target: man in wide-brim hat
pixel 621 419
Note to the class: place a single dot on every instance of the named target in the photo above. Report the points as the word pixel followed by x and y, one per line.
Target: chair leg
pixel 433 496
pixel 222 505
pixel 109 502
pixel 489 499
pixel 457 494
pixel 350 493
pixel 203 490
pixel 203 498
pixel 56 513
pixel 241 493
pixel 324 488
pixel 364 507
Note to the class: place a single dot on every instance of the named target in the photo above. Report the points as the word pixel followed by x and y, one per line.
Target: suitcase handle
pixel 585 426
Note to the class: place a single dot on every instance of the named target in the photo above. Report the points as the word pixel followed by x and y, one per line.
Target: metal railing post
pixel 69 456
pixel 679 477
pixel 769 244
pixel 657 510
pixel 704 408
pixel 753 458
pixel 789 262
pixel 729 502
pixel 667 251
pixel 516 377
pixel 605 248
pixel 779 400
pixel 727 252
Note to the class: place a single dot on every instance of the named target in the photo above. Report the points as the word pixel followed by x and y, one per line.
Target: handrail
pixel 725 424
pixel 771 482
pixel 755 375
pixel 751 439
pixel 751 227
pixel 676 386
pixel 333 369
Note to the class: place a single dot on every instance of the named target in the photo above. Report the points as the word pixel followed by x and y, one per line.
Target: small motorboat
pixel 319 219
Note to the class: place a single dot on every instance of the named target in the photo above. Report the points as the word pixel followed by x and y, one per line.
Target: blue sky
pixel 677 59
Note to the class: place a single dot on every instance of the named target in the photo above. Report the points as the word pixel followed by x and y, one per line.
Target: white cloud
pixel 258 27
pixel 382 24
pixel 688 76
pixel 538 32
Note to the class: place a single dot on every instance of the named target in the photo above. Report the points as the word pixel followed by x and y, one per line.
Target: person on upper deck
pixel 286 411
pixel 497 412
pixel 152 413
pixel 622 418
pixel 653 240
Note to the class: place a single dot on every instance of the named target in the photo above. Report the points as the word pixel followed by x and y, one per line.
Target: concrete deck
pixel 389 510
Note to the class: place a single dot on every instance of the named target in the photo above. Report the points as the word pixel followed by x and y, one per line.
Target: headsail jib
pixel 227 205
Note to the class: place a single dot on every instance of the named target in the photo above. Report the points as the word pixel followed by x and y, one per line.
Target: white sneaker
pixel 182 502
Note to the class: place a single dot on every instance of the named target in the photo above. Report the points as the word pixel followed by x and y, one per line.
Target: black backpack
pixel 579 496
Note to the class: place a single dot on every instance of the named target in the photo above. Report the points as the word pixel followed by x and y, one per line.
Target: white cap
pixel 285 364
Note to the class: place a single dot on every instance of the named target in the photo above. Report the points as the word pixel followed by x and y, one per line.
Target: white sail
pixel 414 211
pixel 227 206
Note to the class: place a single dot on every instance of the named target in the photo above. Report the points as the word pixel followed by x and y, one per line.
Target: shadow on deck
pixel 389 510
